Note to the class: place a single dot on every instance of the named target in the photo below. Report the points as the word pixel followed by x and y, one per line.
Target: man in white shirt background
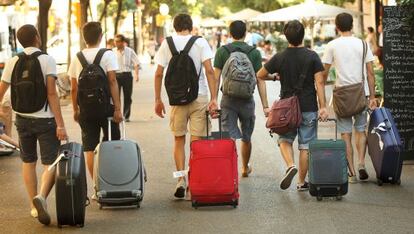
pixel 128 62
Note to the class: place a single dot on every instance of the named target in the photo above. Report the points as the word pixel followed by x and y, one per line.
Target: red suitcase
pixel 213 176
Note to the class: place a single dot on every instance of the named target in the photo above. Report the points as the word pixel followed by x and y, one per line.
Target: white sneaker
pixel 39 203
pixel 33 213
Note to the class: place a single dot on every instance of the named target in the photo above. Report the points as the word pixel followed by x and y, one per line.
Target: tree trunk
pixel 361 18
pixel 118 16
pixel 104 10
pixel 84 4
pixel 69 31
pixel 44 6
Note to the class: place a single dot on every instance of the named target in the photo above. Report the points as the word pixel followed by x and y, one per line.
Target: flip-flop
pixel 246 173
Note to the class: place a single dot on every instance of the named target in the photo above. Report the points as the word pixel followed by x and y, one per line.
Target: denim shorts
pixel 306 132
pixel 359 123
pixel 235 110
pixel 30 131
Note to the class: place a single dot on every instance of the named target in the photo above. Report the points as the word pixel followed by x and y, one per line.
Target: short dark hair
pixel 91 32
pixel 183 22
pixel 238 29
pixel 27 35
pixel 344 22
pixel 370 29
pixel 121 37
pixel 294 32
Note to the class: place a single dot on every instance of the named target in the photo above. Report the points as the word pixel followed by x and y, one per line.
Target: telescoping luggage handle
pixel 219 118
pixel 123 132
pixel 336 126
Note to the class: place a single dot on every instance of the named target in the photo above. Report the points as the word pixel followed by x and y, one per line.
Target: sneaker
pixel 303 187
pixel 39 203
pixel 180 189
pixel 287 179
pixel 33 213
pixel 363 175
pixel 352 179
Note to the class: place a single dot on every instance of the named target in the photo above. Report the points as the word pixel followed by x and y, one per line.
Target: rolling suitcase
pixel 213 175
pixel 70 185
pixel 119 173
pixel 328 168
pixel 384 147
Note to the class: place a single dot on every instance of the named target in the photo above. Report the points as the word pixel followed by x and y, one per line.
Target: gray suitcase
pixel 119 173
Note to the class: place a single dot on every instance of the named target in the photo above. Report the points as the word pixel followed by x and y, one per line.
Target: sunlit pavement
pixel 264 208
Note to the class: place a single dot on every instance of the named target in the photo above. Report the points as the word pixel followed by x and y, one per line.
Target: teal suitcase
pixel 328 168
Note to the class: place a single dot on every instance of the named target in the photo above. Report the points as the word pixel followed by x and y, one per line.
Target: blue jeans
pixel 307 131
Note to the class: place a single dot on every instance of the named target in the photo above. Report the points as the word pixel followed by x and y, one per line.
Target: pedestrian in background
pixel 371 39
pixel 44 125
pixel 298 65
pixel 346 53
pixel 128 62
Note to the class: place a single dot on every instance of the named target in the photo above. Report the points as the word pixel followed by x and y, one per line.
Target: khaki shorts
pixel 195 113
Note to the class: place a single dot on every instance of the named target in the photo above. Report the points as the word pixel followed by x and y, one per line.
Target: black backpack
pixel 181 79
pixel 28 86
pixel 93 88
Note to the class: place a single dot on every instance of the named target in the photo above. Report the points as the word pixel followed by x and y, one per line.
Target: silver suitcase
pixel 119 172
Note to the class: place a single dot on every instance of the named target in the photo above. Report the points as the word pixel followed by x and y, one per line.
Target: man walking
pixel 127 62
pixel 38 115
pixel 299 69
pixel 88 112
pixel 240 106
pixel 192 113
pixel 346 53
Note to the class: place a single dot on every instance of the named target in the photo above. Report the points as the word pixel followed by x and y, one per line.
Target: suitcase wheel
pixel 319 198
pixel 100 206
pixel 338 198
pixel 139 205
pixel 194 204
pixel 399 182
pixel 81 225
pixel 379 182
pixel 235 203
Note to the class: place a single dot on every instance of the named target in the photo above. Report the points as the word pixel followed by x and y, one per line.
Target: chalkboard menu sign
pixel 399 74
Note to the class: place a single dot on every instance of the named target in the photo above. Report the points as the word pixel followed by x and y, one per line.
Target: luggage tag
pixel 178 174
pixel 381 127
pixel 51 167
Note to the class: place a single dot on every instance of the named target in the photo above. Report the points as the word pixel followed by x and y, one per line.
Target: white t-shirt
pixel 108 62
pixel 200 52
pixel 48 66
pixel 345 54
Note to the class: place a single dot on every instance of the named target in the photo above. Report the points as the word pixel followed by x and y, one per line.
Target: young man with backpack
pixel 299 69
pixel 95 94
pixel 32 76
pixel 186 85
pixel 238 63
pixel 352 63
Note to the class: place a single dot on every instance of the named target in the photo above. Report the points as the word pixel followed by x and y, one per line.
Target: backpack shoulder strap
pixel 82 59
pixel 190 44
pixel 250 49
pixel 37 54
pixel 172 47
pixel 364 54
pixel 229 48
pixel 99 56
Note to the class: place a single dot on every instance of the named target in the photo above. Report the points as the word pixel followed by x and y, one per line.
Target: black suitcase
pixel 385 147
pixel 70 186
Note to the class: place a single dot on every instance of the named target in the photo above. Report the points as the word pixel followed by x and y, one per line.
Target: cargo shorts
pixel 193 114
pixel 32 130
pixel 235 110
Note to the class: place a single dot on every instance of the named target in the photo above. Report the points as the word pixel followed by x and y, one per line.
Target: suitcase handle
pixel 336 126
pixel 123 131
pixel 219 118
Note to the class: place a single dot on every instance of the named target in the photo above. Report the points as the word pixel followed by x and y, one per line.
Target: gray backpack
pixel 239 78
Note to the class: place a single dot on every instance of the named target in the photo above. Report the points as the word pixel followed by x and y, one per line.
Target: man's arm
pixel 217 75
pixel 264 75
pixel 159 105
pixel 325 74
pixel 74 95
pixel 3 89
pixel 113 88
pixel 54 105
pixel 136 69
pixel 212 84
pixel 261 86
pixel 320 91
pixel 371 85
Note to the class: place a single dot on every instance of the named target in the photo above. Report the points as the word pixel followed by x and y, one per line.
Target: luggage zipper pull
pixel 61 156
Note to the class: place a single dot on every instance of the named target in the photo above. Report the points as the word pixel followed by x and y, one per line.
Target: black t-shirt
pixel 290 64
